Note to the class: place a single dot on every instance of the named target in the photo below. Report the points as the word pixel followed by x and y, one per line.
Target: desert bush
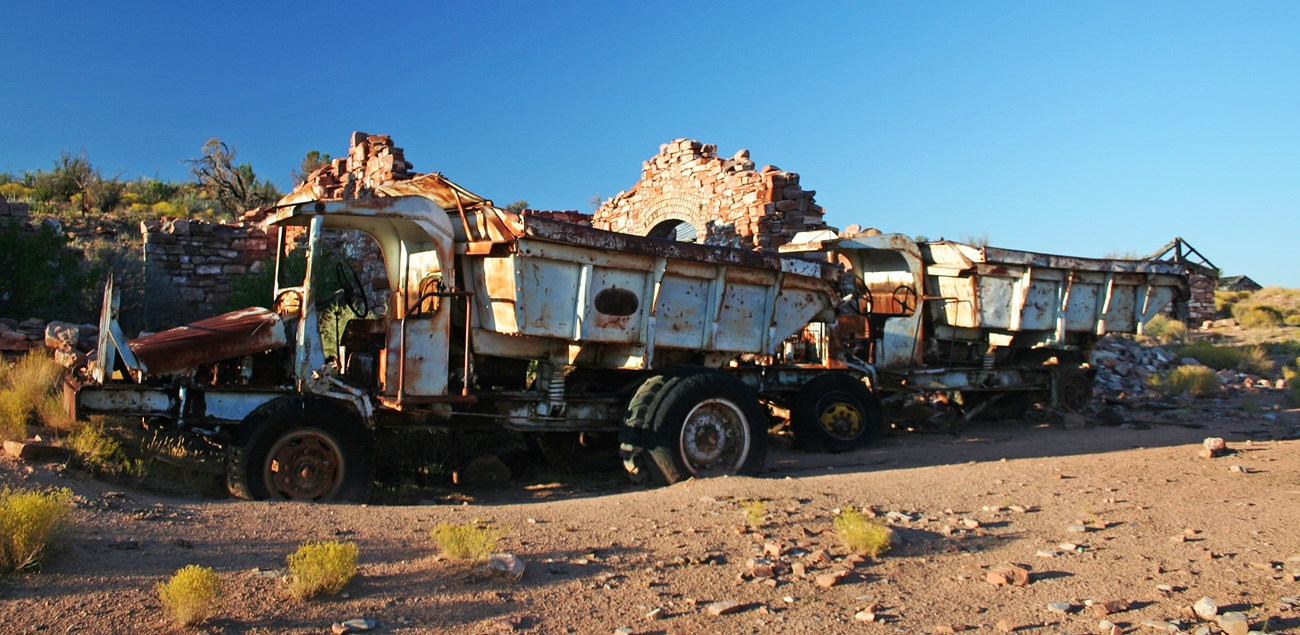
pixel 192 595
pixel 30 521
pixel 862 534
pixel 321 567
pixel 1260 316
pixel 472 542
pixel 25 387
pixel 97 450
pixel 1292 320
pixel 1199 381
pixel 1224 301
pixel 1247 360
pixel 1166 330
pixel 755 512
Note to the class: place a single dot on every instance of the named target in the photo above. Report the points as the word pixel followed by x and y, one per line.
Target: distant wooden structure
pixel 1238 283
pixel 1202 280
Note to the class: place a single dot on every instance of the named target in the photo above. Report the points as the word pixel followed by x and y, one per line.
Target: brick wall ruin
pixel 12 210
pixel 1200 306
pixel 687 187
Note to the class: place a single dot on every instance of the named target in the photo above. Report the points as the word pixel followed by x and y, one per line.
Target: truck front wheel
pixel 302 451
pixel 700 425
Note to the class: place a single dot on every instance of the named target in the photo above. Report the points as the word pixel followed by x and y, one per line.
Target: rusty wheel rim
pixel 715 438
pixel 305 464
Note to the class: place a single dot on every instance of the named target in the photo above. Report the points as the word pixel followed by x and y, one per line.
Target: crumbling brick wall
pixel 725 201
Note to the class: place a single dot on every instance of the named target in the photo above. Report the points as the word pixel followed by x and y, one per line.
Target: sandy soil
pixel 1161 528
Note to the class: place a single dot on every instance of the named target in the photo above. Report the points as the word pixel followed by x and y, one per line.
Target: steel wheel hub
pixel 305 464
pixel 841 420
pixel 715 436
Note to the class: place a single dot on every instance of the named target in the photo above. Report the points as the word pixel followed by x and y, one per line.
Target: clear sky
pixel 1085 128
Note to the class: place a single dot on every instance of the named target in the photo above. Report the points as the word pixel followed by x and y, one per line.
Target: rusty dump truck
pixel 674 356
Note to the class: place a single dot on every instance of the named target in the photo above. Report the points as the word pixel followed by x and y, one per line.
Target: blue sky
pixel 1079 128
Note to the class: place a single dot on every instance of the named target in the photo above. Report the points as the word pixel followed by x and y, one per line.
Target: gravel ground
pixel 1095 514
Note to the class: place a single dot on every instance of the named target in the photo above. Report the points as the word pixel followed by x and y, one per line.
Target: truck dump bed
pixel 625 296
pixel 1016 291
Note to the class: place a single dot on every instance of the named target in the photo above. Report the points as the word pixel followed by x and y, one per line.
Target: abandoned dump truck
pixel 494 319
pixel 996 328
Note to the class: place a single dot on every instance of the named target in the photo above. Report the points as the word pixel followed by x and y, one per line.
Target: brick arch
pixel 685 207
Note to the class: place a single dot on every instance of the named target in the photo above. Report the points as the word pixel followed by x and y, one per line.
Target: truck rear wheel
pixel 835 412
pixel 298 451
pixel 699 425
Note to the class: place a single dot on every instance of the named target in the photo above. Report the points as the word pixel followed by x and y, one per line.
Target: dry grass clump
pixel 97 450
pixel 25 388
pixel 1166 330
pixel 192 595
pixel 1199 381
pixel 321 567
pixel 1257 317
pixel 755 512
pixel 30 521
pixel 862 534
pixel 472 542
pixel 1254 359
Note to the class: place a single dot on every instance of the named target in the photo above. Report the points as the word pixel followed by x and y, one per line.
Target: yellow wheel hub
pixel 842 420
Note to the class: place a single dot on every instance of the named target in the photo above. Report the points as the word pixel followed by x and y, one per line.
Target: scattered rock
pixel 1206 608
pixel 1009 575
pixel 830 579
pixel 1162 625
pixel 865 616
pixel 657 613
pixel 352 626
pixel 1239 469
pixel 1234 623
pixel 1077 529
pixel 623 630
pixel 724 607
pixel 1060 607
pixel 1005 626
pixel 1213 446
pixel 506 565
pixel 1045 553
pixel 1110 606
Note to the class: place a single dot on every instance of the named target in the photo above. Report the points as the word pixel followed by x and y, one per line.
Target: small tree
pixel 234 187
pixel 518 206
pixel 313 161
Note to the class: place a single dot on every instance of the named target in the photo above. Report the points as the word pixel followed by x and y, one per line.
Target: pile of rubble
pixel 17 338
pixel 372 160
pixel 1125 366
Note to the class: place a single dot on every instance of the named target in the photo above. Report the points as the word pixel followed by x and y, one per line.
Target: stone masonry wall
pixel 12 210
pixel 199 259
pixel 726 201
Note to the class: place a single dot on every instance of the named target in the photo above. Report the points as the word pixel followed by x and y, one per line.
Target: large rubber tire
pixel 699 425
pixel 301 450
pixel 835 412
pixel 580 451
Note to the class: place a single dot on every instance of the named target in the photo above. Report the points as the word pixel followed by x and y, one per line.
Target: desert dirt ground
pixel 1095 513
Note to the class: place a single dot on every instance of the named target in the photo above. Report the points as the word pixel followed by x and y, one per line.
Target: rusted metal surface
pixel 235 334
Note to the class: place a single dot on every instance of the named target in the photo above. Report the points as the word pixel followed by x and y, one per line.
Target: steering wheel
pixel 354 295
pixel 902 295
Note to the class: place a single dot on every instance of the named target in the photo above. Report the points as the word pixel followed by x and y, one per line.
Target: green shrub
pixel 1292 320
pixel 321 567
pixel 192 595
pixel 755 512
pixel 861 534
pixel 1200 381
pixel 29 522
pixel 1166 330
pixel 1224 301
pixel 42 274
pixel 1254 317
pixel 472 542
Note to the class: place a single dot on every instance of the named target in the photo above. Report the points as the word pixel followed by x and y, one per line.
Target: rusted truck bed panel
pixel 1015 291
pixel 235 334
